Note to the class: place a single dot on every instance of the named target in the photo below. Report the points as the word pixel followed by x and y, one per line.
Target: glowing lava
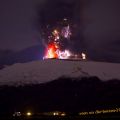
pixel 54 52
pixel 55 43
pixel 51 51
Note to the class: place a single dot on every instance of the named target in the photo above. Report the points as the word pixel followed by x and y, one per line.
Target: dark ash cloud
pixel 98 26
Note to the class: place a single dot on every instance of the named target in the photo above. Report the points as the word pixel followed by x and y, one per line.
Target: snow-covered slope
pixel 46 70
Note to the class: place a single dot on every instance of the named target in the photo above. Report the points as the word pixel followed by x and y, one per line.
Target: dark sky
pixel 98 22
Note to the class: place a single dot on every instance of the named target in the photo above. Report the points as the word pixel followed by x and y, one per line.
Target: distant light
pixel 29 113
pixel 55 32
pixel 65 19
pixel 83 56
pixel 58 37
pixel 63 114
pixel 17 114
pixel 55 113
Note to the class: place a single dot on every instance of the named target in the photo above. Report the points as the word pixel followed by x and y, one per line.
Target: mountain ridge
pixel 42 71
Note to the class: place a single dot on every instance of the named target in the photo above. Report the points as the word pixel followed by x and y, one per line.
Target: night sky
pixel 98 25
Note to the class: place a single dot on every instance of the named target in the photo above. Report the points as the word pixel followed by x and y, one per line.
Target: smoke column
pixel 58 28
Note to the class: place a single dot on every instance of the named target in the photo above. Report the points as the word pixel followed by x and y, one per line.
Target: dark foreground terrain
pixel 77 98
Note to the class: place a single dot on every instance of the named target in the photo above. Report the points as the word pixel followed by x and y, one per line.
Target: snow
pixel 46 70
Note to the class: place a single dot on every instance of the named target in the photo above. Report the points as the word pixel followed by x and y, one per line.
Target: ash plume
pixel 52 16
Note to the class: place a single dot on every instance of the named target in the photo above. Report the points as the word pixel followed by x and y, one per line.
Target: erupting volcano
pixel 56 38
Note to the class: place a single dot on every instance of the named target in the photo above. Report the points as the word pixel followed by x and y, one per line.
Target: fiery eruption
pixel 55 42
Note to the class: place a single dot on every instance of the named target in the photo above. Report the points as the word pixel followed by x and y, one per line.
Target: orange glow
pixel 29 113
pixel 51 51
pixel 54 45
pixel 55 31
